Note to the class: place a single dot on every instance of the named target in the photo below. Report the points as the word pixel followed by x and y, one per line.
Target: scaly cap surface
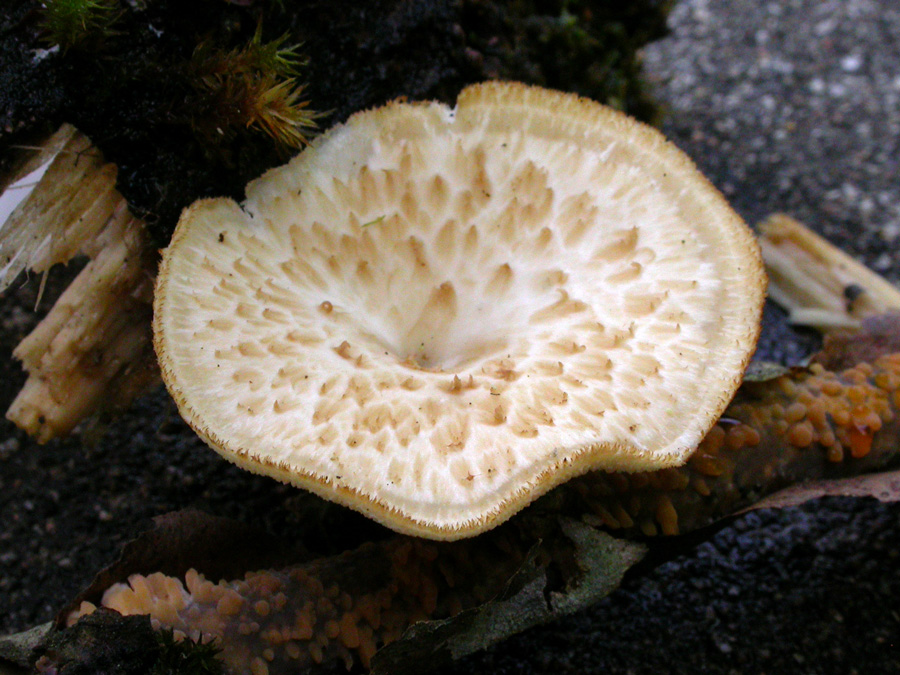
pixel 434 316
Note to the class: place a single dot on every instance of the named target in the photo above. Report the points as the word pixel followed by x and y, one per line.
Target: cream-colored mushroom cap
pixel 435 315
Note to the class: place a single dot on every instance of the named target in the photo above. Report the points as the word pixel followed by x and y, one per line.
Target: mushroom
pixel 435 315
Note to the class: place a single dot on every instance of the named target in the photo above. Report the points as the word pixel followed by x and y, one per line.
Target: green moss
pixel 252 87
pixel 589 47
pixel 185 657
pixel 79 23
pixel 107 642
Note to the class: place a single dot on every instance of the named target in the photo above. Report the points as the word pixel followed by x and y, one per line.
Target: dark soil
pixel 787 106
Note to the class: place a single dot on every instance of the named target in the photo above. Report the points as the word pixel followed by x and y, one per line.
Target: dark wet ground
pixel 791 106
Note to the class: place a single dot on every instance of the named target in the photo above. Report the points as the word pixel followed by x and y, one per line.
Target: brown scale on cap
pixel 808 424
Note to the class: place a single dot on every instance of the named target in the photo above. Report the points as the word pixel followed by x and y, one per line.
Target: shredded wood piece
pixel 68 207
pixel 93 349
pixel 818 284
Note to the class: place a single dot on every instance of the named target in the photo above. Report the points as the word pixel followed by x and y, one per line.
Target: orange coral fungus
pixel 803 426
pixel 340 609
pixel 809 424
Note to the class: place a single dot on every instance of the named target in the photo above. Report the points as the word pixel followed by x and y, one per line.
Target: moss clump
pixel 78 23
pixel 185 657
pixel 588 47
pixel 107 642
pixel 254 86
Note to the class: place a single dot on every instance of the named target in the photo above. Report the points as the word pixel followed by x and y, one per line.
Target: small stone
pixel 883 262
pixel 8 447
pixel 851 63
pixel 890 231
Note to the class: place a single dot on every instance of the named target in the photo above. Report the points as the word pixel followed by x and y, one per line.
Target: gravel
pixel 787 106
pixel 793 106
